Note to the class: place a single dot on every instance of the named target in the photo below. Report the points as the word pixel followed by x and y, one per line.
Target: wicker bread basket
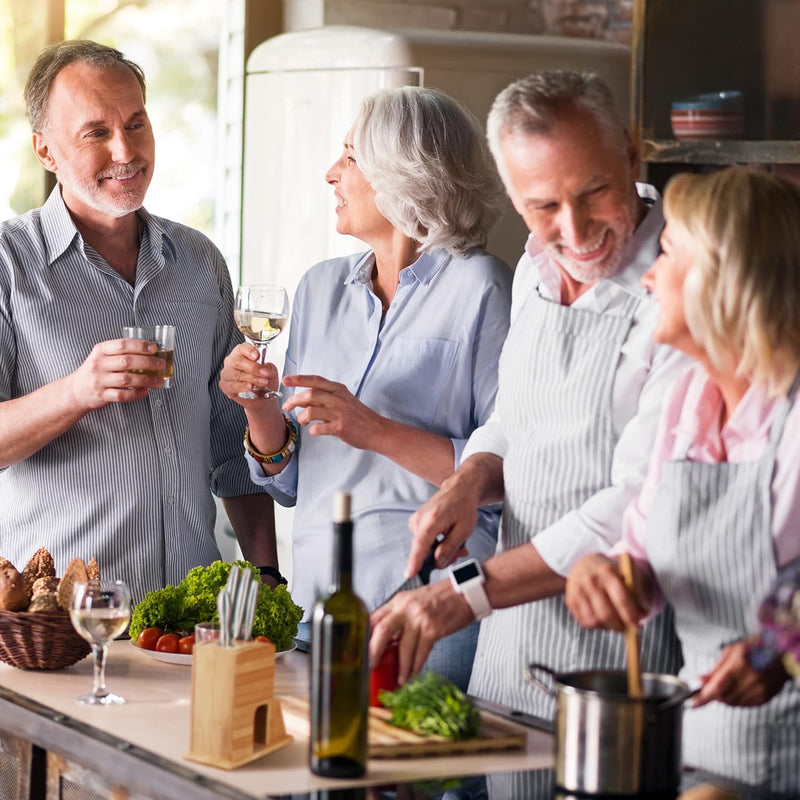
pixel 36 640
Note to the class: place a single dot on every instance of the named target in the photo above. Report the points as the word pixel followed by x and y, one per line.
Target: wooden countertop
pixel 155 723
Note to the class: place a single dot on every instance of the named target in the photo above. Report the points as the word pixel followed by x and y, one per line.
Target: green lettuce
pixel 179 608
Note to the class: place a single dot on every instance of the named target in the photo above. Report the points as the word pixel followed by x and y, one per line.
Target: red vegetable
pixel 148 638
pixel 168 643
pixel 384 676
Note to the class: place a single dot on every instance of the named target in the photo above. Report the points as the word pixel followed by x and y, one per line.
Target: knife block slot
pixel 236 717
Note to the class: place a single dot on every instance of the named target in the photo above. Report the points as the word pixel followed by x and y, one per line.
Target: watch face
pixel 466 572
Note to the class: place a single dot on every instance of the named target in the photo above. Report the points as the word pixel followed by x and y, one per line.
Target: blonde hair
pixel 742 293
pixel 425 157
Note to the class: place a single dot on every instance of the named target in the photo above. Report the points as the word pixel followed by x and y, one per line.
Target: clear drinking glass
pixel 100 611
pixel 261 313
pixel 164 337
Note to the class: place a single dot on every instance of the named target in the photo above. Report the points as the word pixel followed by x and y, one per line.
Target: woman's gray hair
pixel 59 55
pixel 424 156
pixel 535 104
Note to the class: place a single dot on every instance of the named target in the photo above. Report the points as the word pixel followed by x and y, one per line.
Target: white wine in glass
pixel 100 611
pixel 261 313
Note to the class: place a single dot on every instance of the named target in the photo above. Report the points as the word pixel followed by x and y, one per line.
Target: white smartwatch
pixel 468 580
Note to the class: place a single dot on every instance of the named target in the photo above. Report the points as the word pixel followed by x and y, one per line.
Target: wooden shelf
pixel 753 50
pixel 674 151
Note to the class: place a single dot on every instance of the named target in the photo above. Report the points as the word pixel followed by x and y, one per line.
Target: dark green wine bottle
pixel 340 664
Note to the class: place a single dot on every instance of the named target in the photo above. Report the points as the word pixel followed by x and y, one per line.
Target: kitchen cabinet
pixel 682 48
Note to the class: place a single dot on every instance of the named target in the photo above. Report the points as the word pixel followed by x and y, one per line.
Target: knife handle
pixel 429 564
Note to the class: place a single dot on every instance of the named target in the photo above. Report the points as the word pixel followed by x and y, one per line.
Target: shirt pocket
pixel 408 379
pixel 195 328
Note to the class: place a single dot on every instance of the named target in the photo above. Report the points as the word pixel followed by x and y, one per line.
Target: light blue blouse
pixel 430 363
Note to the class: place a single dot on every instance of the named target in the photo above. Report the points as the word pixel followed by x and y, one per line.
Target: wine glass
pixel 100 611
pixel 261 313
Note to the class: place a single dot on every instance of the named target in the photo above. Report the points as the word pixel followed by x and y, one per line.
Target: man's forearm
pixel 29 423
pixel 483 472
pixel 252 517
pixel 520 575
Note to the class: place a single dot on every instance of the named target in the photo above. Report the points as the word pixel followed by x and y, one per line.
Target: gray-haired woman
pixel 392 355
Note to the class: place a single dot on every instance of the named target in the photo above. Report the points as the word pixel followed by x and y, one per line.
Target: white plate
pixel 186 658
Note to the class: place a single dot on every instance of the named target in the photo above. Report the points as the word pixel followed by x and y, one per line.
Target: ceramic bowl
pixel 716 115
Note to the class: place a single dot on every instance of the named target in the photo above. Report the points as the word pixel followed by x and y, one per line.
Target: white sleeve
pixel 489 438
pixel 597 524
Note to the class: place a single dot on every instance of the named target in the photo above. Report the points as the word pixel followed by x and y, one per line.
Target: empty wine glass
pixel 100 611
pixel 261 313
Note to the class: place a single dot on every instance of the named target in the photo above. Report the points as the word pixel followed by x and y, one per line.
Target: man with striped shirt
pixel 96 459
pixel 580 389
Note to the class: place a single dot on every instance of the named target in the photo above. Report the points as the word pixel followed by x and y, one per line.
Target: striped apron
pixel 557 373
pixel 709 540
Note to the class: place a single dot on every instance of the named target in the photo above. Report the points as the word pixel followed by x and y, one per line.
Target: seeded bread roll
pixel 41 565
pixel 92 569
pixel 44 603
pixel 15 594
pixel 4 562
pixel 47 585
pixel 75 572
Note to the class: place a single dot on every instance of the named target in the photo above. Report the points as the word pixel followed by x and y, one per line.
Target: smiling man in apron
pixel 580 390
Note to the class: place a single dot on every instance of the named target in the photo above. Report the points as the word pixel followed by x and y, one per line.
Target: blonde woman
pixel 717 515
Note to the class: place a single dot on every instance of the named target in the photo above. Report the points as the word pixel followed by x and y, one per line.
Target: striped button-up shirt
pixel 130 483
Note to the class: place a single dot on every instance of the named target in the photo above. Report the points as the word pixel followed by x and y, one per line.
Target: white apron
pixel 557 413
pixel 709 541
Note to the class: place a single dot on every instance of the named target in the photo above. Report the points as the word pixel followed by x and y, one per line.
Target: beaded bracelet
pixel 283 453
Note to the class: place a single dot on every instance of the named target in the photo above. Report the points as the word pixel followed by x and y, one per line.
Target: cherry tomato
pixel 186 644
pixel 168 643
pixel 148 638
pixel 262 639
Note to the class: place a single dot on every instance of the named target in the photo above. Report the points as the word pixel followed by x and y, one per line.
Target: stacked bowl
pixel 716 115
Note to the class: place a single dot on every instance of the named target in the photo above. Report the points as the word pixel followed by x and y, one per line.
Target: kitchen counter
pixel 140 745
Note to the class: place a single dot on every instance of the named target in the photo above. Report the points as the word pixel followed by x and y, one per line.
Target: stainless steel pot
pixel 610 743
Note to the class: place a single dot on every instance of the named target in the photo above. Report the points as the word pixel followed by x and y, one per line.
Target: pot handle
pixel 531 678
pixel 676 700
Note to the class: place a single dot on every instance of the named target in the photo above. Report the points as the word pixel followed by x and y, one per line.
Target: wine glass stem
pixel 99 652
pixel 262 352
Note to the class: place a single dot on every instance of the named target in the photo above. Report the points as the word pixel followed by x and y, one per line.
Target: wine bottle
pixel 340 664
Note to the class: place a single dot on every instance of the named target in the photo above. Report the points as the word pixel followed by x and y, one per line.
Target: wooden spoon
pixel 631 634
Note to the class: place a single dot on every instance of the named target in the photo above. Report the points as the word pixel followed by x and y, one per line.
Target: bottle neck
pixel 342 556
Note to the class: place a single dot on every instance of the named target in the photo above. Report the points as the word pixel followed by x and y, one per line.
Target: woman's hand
pixel 735 682
pixel 333 410
pixel 241 372
pixel 597 597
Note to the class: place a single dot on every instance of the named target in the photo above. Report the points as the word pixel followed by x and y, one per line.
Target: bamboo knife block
pixel 236 717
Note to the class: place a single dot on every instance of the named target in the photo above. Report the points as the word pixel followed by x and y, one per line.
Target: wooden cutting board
pixel 389 741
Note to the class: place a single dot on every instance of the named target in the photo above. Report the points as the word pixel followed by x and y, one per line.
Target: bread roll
pixel 75 572
pixel 46 585
pixel 15 594
pixel 41 565
pixel 44 603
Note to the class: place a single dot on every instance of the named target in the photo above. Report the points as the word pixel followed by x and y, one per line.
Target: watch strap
pixel 272 572
pixel 474 592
